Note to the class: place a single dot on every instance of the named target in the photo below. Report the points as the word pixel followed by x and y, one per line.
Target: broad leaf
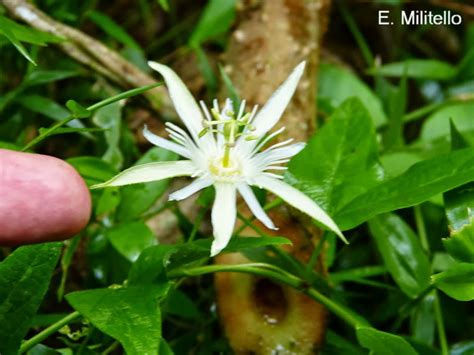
pixel 340 162
pixel 110 118
pixel 92 169
pixel 150 266
pixel 437 127
pixel 382 343
pixel 138 198
pixel 419 183
pixel 130 239
pixel 336 84
pixel 130 314
pixel 457 282
pixel 47 107
pixel 459 206
pixel 402 253
pixel 24 280
pixel 460 244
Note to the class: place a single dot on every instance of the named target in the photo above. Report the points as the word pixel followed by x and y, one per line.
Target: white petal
pixel 271 156
pixel 223 216
pixel 254 205
pixel 151 172
pixel 165 144
pixel 184 103
pixel 300 201
pixel 192 188
pixel 271 112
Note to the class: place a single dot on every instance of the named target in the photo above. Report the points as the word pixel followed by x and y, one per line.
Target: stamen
pixel 273 147
pixel 252 115
pixel 272 167
pixel 268 139
pixel 205 110
pixel 241 109
pixel 273 175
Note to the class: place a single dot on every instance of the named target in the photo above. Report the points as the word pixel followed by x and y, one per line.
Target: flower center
pixel 230 171
pixel 230 127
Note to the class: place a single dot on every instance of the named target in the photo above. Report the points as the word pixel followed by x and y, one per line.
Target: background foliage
pixel 393 162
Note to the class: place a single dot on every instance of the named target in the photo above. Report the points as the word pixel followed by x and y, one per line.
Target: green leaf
pixel 131 315
pixel 24 278
pixel 150 266
pixel 39 77
pixel 216 19
pixel 457 282
pixel 402 253
pixel 419 183
pixel 47 107
pixel 28 34
pixel 138 198
pixel 417 68
pixel 92 169
pixel 423 320
pixel 382 343
pixel 113 29
pixel 459 207
pixel 130 239
pixel 347 163
pixel 336 84
pixel 437 125
pixel 6 31
pixel 179 304
pixel 164 4
pixel 463 348
pixel 396 106
pixel 206 69
pixel 460 244
pixel 77 110
pixel 66 259
pixel 334 344
pixel 232 92
pixel 110 118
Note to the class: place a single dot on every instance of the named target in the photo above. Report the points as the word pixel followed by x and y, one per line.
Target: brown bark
pixel 272 37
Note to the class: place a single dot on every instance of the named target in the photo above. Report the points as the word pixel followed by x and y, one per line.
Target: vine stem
pixel 276 274
pixel 420 224
pixel 443 343
pixel 53 328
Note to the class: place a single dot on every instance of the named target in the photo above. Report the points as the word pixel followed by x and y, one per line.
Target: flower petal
pixel 270 156
pixel 165 143
pixel 192 188
pixel 271 112
pixel 223 216
pixel 184 103
pixel 300 201
pixel 257 210
pixel 150 172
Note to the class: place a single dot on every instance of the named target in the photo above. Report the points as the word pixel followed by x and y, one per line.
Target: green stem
pixel 197 224
pixel 420 226
pixel 276 274
pixel 53 328
pixel 440 325
pixel 316 251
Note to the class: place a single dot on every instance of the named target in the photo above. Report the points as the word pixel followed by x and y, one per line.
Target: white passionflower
pixel 224 149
